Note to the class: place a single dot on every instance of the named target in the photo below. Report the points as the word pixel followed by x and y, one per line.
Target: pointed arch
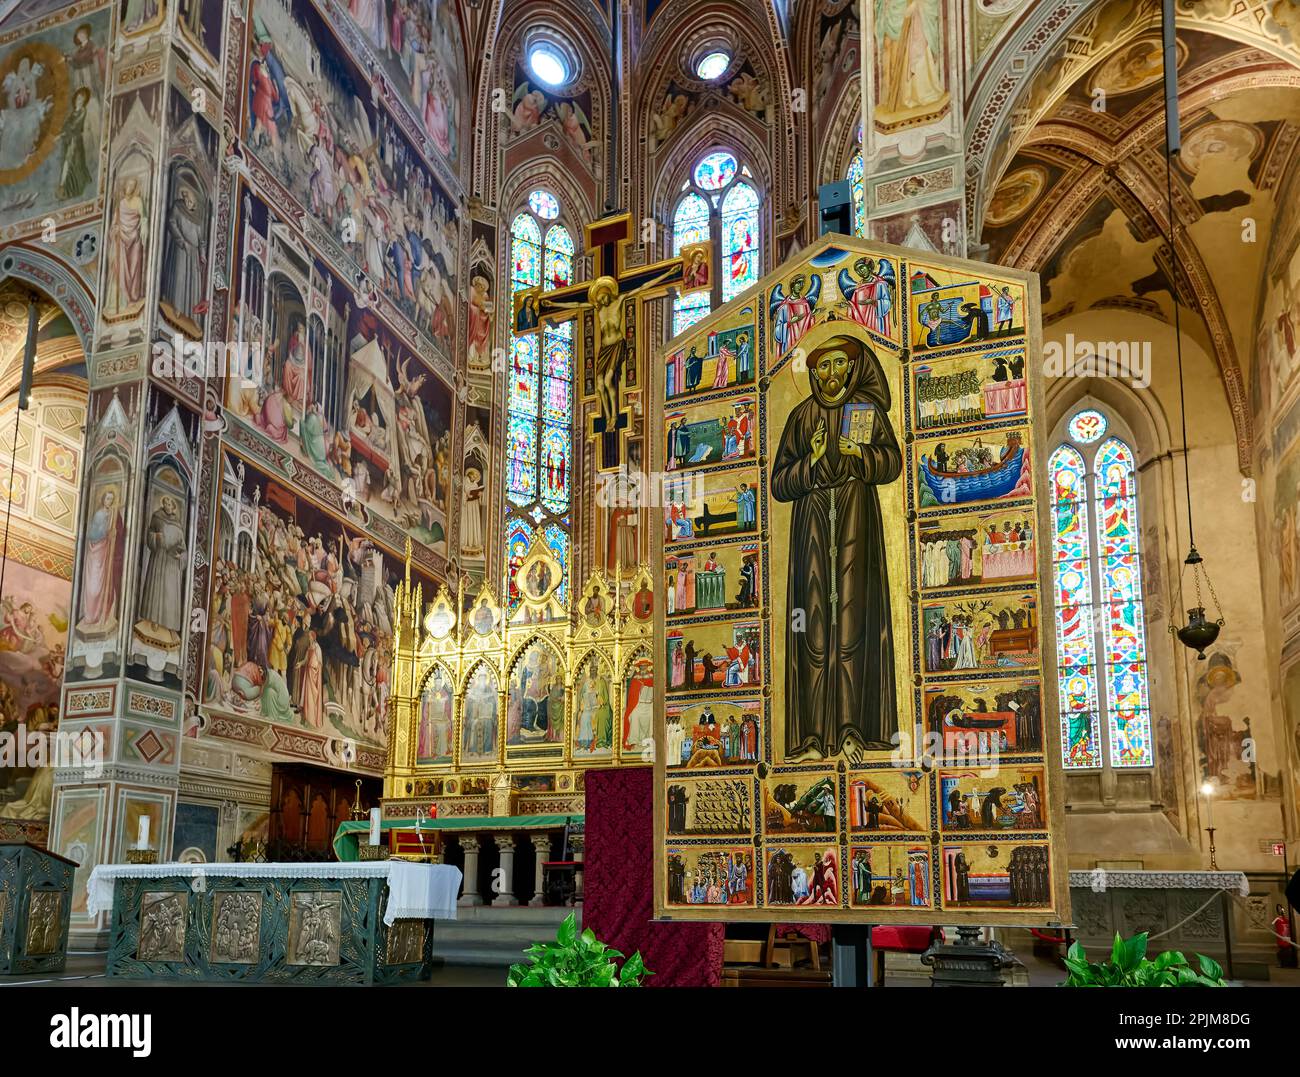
pixel 57 280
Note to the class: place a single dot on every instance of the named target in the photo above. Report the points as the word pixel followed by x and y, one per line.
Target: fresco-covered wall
pixel 263 205
pixel 37 591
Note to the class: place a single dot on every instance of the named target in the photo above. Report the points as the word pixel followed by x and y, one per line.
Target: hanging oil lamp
pixel 1200 631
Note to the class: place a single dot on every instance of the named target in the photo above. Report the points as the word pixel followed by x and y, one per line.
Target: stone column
pixel 915 189
pixel 137 635
pixel 542 851
pixel 576 841
pixel 470 895
pixel 506 847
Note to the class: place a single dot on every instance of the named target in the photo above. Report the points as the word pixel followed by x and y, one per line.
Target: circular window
pixel 548 65
pixel 715 171
pixel 1087 427
pixel 712 65
pixel 544 204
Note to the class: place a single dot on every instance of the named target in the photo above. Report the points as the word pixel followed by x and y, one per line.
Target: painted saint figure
pixel 102 569
pixel 126 240
pixel 181 286
pixel 162 587
pixel 840 693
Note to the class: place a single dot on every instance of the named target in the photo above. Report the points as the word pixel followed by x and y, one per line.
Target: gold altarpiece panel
pixel 857 720
pixel 499 708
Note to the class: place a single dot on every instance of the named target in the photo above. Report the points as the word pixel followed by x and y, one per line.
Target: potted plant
pixel 1129 967
pixel 576 960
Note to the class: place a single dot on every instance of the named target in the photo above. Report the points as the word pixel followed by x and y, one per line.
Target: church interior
pixel 416 443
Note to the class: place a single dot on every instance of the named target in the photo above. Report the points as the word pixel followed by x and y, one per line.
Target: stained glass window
pixel 1123 625
pixel 1076 648
pixel 719 204
pixel 1088 426
pixel 539 432
pixel 544 204
pixel 1100 632
pixel 739 240
pixel 854 177
pixel 713 65
pixel 715 171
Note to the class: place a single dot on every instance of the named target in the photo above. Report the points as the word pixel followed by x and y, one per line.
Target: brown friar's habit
pixel 840 668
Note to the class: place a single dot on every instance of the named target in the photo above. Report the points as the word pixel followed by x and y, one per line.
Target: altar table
pixel 318 923
pixel 1177 908
pixel 35 902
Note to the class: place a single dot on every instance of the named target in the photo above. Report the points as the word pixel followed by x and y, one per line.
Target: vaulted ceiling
pixel 1084 198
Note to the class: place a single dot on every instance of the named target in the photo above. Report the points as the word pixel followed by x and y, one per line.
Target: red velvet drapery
pixel 618 885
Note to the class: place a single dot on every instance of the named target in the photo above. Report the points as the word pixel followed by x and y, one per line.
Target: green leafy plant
pixel 576 960
pixel 1129 967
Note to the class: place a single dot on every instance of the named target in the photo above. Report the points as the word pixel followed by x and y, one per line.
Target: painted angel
pixel 747 92
pixel 792 314
pixel 664 122
pixel 529 104
pixel 576 126
pixel 22 117
pixel 870 294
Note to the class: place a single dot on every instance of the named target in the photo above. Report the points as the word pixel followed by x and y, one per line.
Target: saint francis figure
pixel 839 681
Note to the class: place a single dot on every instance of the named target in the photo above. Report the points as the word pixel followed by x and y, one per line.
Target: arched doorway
pixel 41 449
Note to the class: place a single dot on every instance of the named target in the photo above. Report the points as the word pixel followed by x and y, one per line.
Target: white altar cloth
pixel 415 891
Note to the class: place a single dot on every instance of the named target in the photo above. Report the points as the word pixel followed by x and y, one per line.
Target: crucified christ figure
pixel 611 354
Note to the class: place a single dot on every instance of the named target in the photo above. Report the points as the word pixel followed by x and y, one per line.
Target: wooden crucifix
pixel 614 287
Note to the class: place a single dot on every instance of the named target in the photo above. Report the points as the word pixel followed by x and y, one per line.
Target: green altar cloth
pixel 354 831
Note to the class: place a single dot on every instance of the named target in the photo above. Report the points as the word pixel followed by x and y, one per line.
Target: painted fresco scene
pixel 301 613
pixel 889 801
pixel 722 358
pixel 52 104
pixel 967 468
pixel 339 389
pixel 312 123
pixel 999 631
pixel 986 716
pixel 1008 798
pixel 713 655
pixel 712 579
pixel 894 875
pixel 710 876
pixel 947 310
